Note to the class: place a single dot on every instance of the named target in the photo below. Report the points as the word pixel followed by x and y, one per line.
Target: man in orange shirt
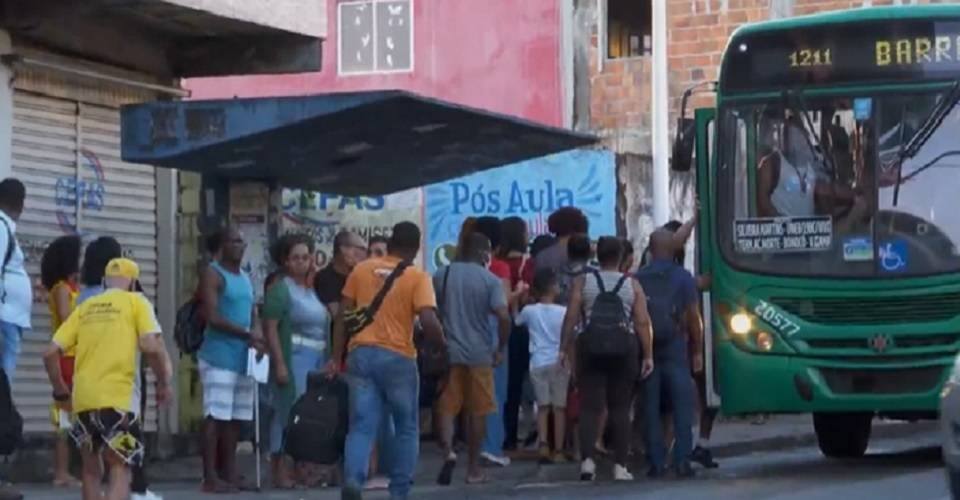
pixel 381 364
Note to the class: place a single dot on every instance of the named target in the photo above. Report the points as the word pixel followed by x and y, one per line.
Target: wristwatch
pixel 61 397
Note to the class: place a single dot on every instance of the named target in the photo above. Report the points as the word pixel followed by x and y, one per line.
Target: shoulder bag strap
pixel 623 279
pixel 600 285
pixel 11 246
pixel 387 285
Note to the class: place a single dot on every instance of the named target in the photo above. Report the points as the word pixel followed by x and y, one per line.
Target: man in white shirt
pixel 16 291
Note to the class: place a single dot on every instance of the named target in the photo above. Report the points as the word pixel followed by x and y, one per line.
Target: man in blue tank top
pixel 228 300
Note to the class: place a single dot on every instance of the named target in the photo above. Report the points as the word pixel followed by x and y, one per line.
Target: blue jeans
pixel 493 442
pixel 379 377
pixel 10 348
pixel 303 360
pixel 674 375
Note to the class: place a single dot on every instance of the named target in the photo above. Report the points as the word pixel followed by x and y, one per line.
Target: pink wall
pixel 500 55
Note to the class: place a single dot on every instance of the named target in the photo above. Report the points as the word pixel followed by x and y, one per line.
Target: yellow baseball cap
pixel 123 268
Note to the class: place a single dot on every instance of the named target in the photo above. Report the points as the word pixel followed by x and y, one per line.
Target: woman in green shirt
pixel 297 328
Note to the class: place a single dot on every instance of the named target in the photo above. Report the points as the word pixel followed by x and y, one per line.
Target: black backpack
pixel 608 331
pixel 11 424
pixel 188 331
pixel 663 304
pixel 317 427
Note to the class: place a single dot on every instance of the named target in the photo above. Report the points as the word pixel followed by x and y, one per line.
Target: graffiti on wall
pixel 87 194
pixel 323 215
pixel 531 190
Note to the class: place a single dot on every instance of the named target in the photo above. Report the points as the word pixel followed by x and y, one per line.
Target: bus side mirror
pixel 682 158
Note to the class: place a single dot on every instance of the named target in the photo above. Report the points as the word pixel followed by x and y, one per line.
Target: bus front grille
pixel 905 341
pixel 886 381
pixel 872 311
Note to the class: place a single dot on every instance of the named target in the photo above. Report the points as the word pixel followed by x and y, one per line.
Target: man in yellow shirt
pixel 109 332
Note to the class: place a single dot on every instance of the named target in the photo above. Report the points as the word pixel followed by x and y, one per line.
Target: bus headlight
pixel 764 341
pixel 741 323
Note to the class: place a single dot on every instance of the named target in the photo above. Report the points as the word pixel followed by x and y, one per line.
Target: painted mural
pixel 531 190
pixel 324 215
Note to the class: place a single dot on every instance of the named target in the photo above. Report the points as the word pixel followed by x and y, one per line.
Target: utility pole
pixel 660 112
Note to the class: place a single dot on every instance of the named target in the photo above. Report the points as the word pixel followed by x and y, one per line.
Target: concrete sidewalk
pixel 731 437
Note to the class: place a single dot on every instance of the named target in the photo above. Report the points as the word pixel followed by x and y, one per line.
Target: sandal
pixel 478 480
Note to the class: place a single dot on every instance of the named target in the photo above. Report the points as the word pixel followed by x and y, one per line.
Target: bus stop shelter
pixel 358 143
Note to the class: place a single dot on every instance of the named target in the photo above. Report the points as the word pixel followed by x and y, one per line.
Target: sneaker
pixel 704 457
pixel 620 473
pixel 377 483
pixel 684 470
pixel 495 460
pixel 446 472
pixel 147 495
pixel 588 470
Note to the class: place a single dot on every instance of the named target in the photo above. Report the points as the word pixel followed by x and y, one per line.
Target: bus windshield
pixel 858 186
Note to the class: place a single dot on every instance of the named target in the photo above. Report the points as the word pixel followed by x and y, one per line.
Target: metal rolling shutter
pixel 68 155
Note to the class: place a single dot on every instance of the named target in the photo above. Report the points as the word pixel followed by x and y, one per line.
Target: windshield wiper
pixel 801 106
pixel 924 133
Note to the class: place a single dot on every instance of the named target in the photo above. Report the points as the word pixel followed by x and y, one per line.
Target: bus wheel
pixel 843 435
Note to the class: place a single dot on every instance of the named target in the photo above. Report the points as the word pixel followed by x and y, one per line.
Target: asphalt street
pixel 895 469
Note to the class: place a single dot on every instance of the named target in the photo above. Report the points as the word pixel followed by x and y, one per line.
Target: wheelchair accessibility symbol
pixel 893 256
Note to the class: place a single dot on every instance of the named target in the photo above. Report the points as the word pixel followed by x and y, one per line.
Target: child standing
pixel 550 378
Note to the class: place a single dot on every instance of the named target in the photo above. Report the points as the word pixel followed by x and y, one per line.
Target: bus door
pixel 705 122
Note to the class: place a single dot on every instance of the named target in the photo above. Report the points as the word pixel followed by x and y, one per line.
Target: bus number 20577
pixel 775 319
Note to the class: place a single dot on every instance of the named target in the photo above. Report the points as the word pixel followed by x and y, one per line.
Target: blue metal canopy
pixel 348 143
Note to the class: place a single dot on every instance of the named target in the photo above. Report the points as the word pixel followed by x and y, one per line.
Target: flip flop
pixel 67 483
pixel 446 473
pixel 478 480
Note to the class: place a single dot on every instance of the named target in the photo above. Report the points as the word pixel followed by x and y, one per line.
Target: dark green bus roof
pixel 851 16
pixel 877 45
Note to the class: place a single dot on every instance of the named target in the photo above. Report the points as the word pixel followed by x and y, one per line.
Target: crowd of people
pixel 565 328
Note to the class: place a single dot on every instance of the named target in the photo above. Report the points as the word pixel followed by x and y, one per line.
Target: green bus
pixel 829 183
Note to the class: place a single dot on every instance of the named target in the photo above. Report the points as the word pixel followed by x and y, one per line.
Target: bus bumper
pixel 770 383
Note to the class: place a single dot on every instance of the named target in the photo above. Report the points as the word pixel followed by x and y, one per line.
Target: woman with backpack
pixel 616 321
pixel 59 274
pixel 296 325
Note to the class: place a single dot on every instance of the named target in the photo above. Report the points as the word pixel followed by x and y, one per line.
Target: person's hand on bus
pixel 697 362
pixel 704 281
pixel 646 368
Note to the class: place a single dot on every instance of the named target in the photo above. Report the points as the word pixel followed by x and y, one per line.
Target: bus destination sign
pixel 783 234
pixel 843 54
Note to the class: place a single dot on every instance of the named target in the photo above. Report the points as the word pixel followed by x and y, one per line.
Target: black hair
pixel 12 193
pixel 98 254
pixel 566 221
pixel 491 228
pixel 405 238
pixel 513 236
pixel 543 280
pixel 673 226
pixel 282 248
pixel 61 259
pixel 679 257
pixel 578 248
pixel 217 239
pixel 474 246
pixel 340 240
pixel 541 243
pixel 609 250
pixel 378 239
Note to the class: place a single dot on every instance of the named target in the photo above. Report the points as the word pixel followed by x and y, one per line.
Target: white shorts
pixel 227 395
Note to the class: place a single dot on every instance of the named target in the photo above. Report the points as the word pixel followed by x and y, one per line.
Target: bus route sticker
pixel 783 234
